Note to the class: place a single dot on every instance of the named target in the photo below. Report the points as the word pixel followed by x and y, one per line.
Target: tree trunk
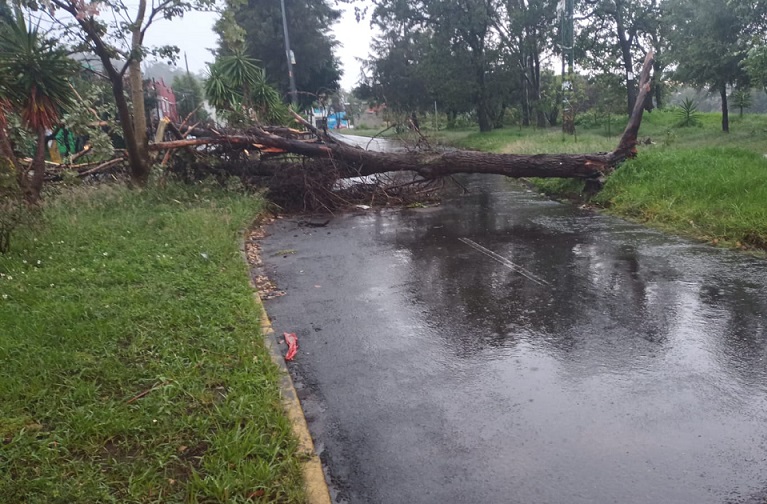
pixel 137 95
pixel 483 115
pixel 628 64
pixel 631 93
pixel 535 77
pixel 525 102
pixel 138 156
pixel 657 85
pixel 33 188
pixel 725 109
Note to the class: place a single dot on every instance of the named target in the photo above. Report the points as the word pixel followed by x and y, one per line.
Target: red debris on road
pixel 292 341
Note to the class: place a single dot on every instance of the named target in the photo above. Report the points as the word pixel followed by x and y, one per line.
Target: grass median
pixel 133 368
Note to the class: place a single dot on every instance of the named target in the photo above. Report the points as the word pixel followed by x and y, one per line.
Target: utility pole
pixel 565 9
pixel 289 55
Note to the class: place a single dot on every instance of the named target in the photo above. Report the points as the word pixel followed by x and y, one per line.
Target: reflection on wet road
pixel 506 348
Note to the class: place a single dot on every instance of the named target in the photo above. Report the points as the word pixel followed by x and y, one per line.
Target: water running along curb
pixel 316 487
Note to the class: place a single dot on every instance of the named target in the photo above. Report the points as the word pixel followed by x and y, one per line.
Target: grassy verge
pixel 716 194
pixel 133 367
pixel 695 181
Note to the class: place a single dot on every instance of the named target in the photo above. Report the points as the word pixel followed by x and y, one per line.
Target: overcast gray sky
pixel 194 35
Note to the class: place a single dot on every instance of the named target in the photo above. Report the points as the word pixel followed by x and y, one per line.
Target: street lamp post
pixel 288 54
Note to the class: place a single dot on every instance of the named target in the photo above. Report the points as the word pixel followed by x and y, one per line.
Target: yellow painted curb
pixel 316 487
pixel 314 478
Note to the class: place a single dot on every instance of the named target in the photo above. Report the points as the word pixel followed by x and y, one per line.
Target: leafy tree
pixel 708 43
pixel 114 31
pixel 741 98
pixel 36 83
pixel 466 27
pixel 613 33
pixel 525 27
pixel 756 66
pixel 255 26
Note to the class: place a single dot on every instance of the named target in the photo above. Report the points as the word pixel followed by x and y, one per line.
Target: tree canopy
pixel 255 26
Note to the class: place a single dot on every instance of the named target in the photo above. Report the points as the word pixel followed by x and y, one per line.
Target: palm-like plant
pixel 36 84
pixel 687 112
pixel 237 84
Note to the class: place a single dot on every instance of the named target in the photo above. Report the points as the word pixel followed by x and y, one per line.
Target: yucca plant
pixel 687 112
pixel 237 85
pixel 36 84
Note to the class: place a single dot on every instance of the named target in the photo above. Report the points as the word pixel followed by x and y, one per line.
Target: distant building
pixel 166 101
pixel 332 120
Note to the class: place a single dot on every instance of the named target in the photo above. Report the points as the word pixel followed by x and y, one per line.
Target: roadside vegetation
pixel 133 365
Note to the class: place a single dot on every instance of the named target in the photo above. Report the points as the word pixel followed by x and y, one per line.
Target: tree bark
pixel 137 93
pixel 625 42
pixel 725 109
pixel 33 188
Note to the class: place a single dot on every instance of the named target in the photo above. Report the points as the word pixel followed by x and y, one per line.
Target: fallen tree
pixel 306 167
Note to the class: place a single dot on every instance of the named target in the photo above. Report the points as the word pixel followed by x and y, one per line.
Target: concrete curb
pixel 316 487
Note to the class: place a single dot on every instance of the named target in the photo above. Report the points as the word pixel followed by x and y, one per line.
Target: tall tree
pixel 709 43
pixel 526 29
pixel 256 26
pixel 611 33
pixel 467 26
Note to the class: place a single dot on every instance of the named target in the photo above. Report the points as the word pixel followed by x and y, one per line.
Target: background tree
pixel 612 32
pixel 525 28
pixel 741 98
pixel 708 43
pixel 114 31
pixel 189 97
pixel 755 65
pixel 36 84
pixel 255 26
pixel 467 27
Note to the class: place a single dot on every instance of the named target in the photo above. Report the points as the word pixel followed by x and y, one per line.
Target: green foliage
pixel 687 113
pixel 237 87
pixel 741 98
pixel 255 26
pixel 36 73
pixel 80 117
pixel 756 66
pixel 189 97
pixel 133 365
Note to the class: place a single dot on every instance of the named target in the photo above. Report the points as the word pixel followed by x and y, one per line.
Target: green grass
pixel 696 181
pixel 121 293
pixel 713 193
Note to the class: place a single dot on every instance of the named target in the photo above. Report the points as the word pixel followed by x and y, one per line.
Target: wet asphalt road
pixel 504 348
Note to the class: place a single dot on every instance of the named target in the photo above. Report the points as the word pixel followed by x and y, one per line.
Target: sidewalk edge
pixel 317 491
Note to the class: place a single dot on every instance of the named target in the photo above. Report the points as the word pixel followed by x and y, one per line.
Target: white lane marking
pixel 499 258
